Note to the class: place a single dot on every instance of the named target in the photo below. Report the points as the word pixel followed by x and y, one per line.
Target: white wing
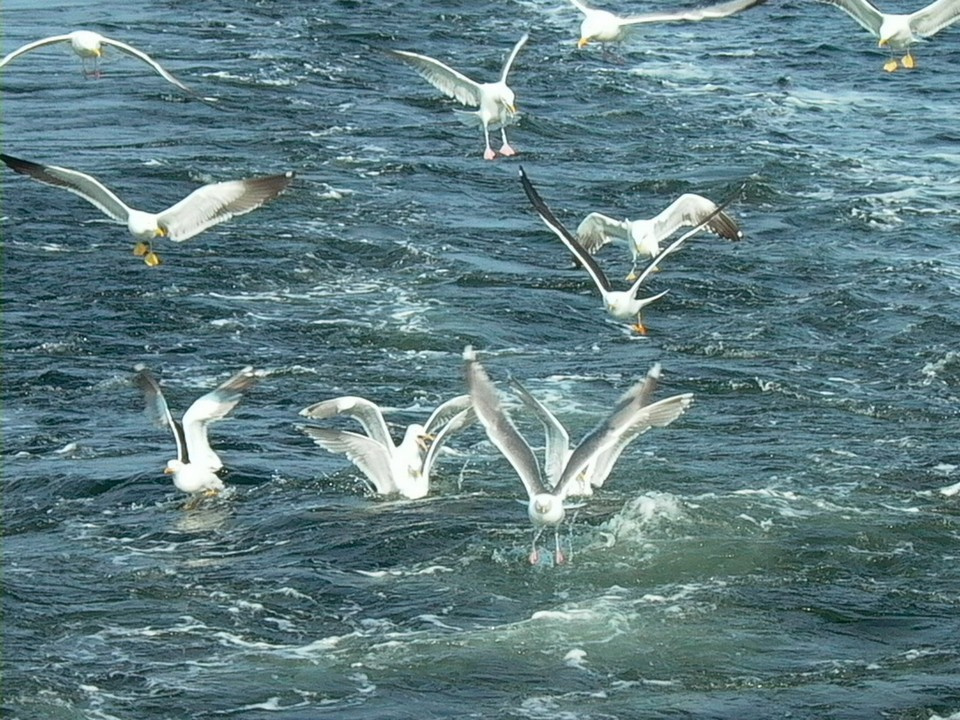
pixel 215 203
pixel 934 17
pixel 445 412
pixel 445 79
pixel 86 186
pixel 366 413
pixel 557 438
pixel 580 6
pixel 596 230
pixel 690 210
pixel 513 56
pixel 209 408
pixel 157 410
pixel 500 430
pixel 863 11
pixel 130 50
pixel 35 44
pixel 708 12
pixel 372 458
pixel 457 423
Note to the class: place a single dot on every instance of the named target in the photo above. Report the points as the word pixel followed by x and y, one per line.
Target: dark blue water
pixel 782 550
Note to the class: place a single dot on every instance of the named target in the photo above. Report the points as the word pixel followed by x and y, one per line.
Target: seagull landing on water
pixel 569 472
pixel 203 208
pixel 496 101
pixel 899 32
pixel 89 45
pixel 403 469
pixel 604 27
pixel 195 468
pixel 644 236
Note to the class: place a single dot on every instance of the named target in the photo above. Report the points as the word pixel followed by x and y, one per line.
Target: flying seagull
pixel 621 304
pixel 644 236
pixel 88 44
pixel 496 101
pixel 567 470
pixel 604 27
pixel 898 32
pixel 195 468
pixel 205 207
pixel 404 468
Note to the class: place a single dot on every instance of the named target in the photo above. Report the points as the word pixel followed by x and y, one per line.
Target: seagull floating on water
pixel 195 468
pixel 88 44
pixel 569 472
pixel 604 27
pixel 496 101
pixel 205 207
pixel 644 236
pixel 621 304
pixel 899 31
pixel 404 468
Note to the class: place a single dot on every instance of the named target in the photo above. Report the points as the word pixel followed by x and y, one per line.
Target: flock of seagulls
pixel 404 469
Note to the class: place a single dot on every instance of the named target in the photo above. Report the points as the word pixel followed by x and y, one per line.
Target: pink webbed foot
pixel 489 154
pixel 560 558
pixel 534 557
pixel 507 151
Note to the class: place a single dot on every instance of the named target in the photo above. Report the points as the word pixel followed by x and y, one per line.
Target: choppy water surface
pixel 782 550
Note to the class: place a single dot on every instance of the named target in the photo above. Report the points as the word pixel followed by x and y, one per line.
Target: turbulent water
pixel 782 550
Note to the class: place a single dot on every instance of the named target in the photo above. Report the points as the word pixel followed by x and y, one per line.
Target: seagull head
pixel 545 509
pixel 173 467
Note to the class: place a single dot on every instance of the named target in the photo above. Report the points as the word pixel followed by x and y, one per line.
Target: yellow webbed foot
pixel 908 62
pixel 141 248
pixel 152 259
pixel 891 65
pixel 639 328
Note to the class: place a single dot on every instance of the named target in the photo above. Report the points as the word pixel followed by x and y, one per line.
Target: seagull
pixel 621 304
pixel 567 470
pixel 496 101
pixel 195 468
pixel 390 468
pixel 898 32
pixel 205 207
pixel 604 27
pixel 88 44
pixel 644 236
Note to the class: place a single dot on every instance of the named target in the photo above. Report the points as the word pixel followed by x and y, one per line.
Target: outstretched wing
pixel 445 412
pixel 139 54
pixel 213 204
pixel 370 457
pixel 444 78
pixel 500 430
pixel 691 210
pixel 32 46
pixel 209 408
pixel 707 12
pixel 550 220
pixel 86 186
pixel 557 438
pixel 863 11
pixel 597 230
pixel 934 17
pixel 366 413
pixel 455 424
pixel 157 410
pixel 513 56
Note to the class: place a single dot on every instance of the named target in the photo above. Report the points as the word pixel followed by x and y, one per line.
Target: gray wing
pixel 157 410
pixel 447 80
pixel 863 11
pixel 213 406
pixel 33 45
pixel 457 423
pixel 370 457
pixel 691 210
pixel 934 17
pixel 139 54
pixel 513 56
pixel 557 438
pixel 445 412
pixel 215 203
pixel 550 220
pixel 707 12
pixel 500 430
pixel 366 413
pixel 597 230
pixel 86 186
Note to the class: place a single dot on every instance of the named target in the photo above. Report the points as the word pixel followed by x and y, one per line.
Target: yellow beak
pixel 512 109
pixel 582 43
pixel 167 471
pixel 883 42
